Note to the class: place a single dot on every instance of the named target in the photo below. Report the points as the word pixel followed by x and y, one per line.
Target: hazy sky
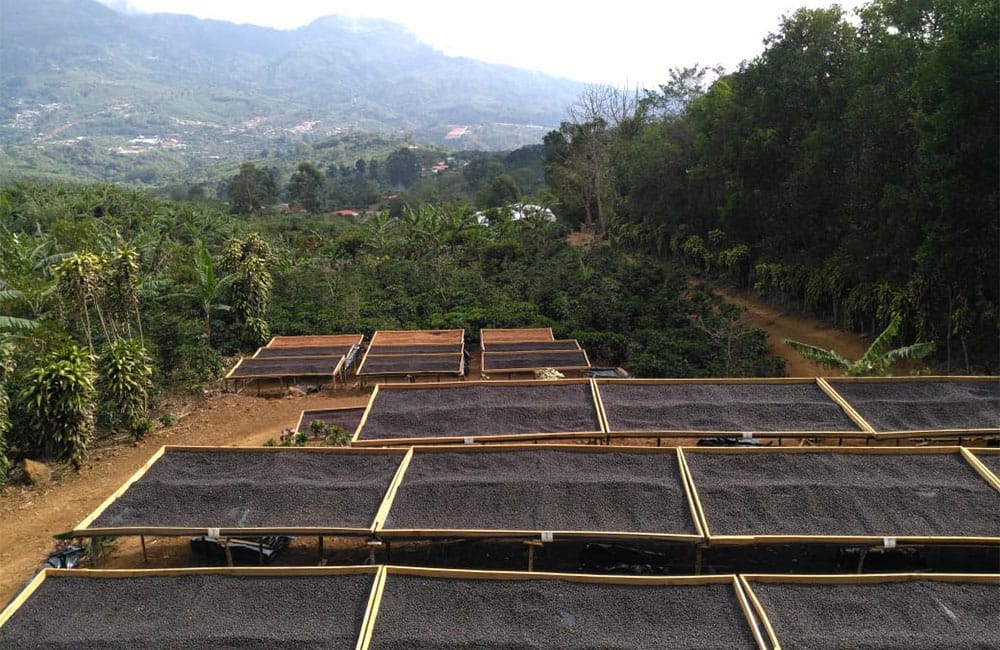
pixel 624 42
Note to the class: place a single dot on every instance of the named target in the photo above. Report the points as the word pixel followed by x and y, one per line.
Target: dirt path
pixel 30 516
pixel 780 324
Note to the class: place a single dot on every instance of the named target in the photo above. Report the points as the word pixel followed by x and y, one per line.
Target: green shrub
pixel 61 399
pixel 125 378
pixel 6 369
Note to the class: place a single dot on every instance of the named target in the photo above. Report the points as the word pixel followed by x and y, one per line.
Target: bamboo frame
pixel 262 352
pixel 23 597
pixel 139 473
pixel 543 346
pixel 972 456
pixel 390 494
pixel 579 578
pixel 860 433
pixel 417 337
pixel 302 414
pixel 371 613
pixel 318 340
pixel 745 581
pixel 356 440
pixel 84 529
pixel 742 540
pixel 900 434
pixel 459 358
pixel 239 364
pixel 567 353
pixel 119 574
pixel 382 531
pixel 515 335
pixel 847 408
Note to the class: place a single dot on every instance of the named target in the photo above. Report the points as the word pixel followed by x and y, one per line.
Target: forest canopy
pixel 851 169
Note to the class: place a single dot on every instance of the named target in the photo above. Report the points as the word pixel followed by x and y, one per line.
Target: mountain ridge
pixel 76 71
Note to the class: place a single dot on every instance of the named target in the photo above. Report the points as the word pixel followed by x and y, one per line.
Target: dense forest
pixel 851 170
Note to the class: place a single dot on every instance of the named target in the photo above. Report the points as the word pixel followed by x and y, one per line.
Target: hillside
pixel 91 93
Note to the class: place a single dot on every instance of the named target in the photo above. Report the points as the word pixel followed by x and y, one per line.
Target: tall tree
pixel 306 187
pixel 251 189
pixel 402 168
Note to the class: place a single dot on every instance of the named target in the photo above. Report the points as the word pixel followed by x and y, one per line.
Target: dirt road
pixel 780 324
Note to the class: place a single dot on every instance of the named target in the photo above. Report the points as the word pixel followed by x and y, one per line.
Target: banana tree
pixel 878 360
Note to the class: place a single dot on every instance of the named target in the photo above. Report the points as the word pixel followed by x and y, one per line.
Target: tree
pixel 501 191
pixel 251 189
pixel 249 260
pixel 402 168
pixel 306 187
pixel 125 377
pixel 878 360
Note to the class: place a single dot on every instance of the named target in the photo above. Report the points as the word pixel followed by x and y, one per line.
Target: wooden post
pixel 227 551
pixel 319 546
pixel 374 545
pixel 142 541
pixel 532 544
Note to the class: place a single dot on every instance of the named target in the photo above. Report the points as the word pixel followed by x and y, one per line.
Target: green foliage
pixel 402 167
pixel 61 399
pixel 269 442
pixel 333 434
pixel 251 189
pixel 125 374
pixel 168 419
pixel 878 360
pixel 6 371
pixel 249 260
pixel 306 186
pixel 850 169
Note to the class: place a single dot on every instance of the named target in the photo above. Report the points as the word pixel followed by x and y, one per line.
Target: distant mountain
pixel 80 83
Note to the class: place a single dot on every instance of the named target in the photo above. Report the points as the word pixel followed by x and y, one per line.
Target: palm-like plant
pixel 6 370
pixel 208 287
pixel 61 398
pixel 126 377
pixel 878 360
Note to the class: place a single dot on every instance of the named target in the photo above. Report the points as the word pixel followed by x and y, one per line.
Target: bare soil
pixel 30 516
pixel 780 324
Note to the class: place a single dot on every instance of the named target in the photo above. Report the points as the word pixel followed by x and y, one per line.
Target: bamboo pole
pixel 844 405
pixel 121 490
pixel 390 494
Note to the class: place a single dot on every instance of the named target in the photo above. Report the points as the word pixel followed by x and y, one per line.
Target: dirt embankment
pixel 781 324
pixel 29 517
